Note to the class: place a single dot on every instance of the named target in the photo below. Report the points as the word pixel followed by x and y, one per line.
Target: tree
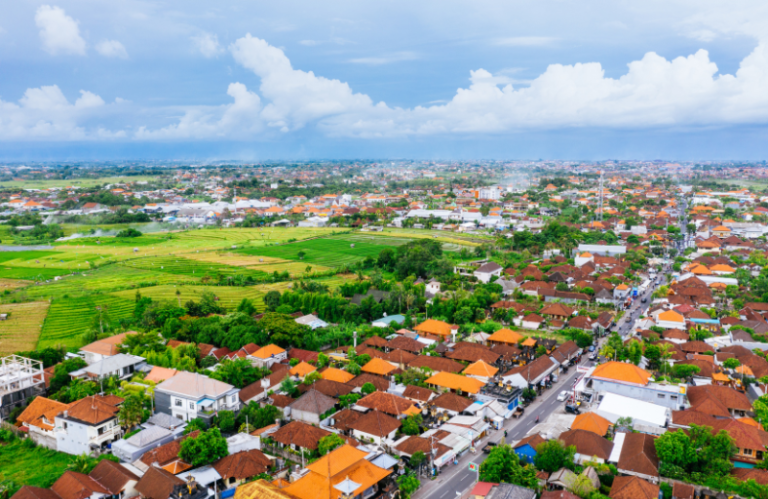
pixel 272 300
pixel 257 416
pixel 368 388
pixel 328 443
pixel 503 466
pixel 685 370
pixel 412 424
pixel 731 363
pixel 208 447
pixel 193 425
pixel 553 455
pixel 349 399
pixel 417 459
pixel 288 386
pixel 699 450
pixel 246 307
pixel 225 420
pixel 407 485
pixel 131 411
pixel 581 485
pixel 81 463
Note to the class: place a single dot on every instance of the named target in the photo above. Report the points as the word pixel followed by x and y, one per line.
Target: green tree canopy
pixel 209 446
pixel 503 466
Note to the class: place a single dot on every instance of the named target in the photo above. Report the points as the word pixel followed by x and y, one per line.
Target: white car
pixel 563 395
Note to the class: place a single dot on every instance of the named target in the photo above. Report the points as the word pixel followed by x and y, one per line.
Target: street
pixel 456 479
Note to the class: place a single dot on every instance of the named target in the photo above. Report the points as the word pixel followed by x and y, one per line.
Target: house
pixel 101 349
pixel 378 367
pixel 418 394
pixel 39 418
pixel 131 449
pixel 591 421
pixel 526 448
pixel 299 436
pixel 510 491
pixel 268 355
pixel 631 381
pixel 451 403
pixel 158 483
pixel 236 468
pixel 190 395
pixel 506 337
pixel 88 425
pixel 122 366
pixel 671 320
pixel 487 271
pixel 330 475
pixel 434 327
pixel 631 487
pixel 374 427
pixel 311 406
pixel 117 479
pixel 638 457
pixel 311 321
pixel 589 446
pixel 261 489
pixel 389 404
pixel 408 446
pixel 20 379
pixel 532 321
pixel 531 374
pixel 455 382
pixel 718 401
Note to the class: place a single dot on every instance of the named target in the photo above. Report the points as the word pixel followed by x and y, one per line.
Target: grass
pixel 265 264
pixel 22 328
pixel 69 318
pixel 329 252
pixel 36 466
pixel 229 296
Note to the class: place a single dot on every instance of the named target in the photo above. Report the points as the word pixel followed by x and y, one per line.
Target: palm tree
pixel 665 349
pixel 80 464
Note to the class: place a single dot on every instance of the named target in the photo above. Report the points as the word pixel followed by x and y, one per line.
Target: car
pixel 572 409
pixel 519 411
pixel 593 356
pixel 645 299
pixel 563 395
pixel 591 348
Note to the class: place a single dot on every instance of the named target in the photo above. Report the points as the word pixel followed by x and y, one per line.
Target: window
pixel 101 430
pixel 192 406
pixel 178 402
pixel 673 397
pixel 234 397
pixel 661 396
pixel 65 426
pixel 747 452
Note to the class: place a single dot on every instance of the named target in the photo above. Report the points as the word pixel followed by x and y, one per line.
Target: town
pixel 381 330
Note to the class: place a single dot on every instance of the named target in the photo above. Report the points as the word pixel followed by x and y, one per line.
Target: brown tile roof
pixel 639 454
pixel 418 393
pixel 166 453
pixel 29 492
pixel 242 465
pixel 399 356
pixel 344 418
pixel 533 440
pixel 113 476
pixel 157 483
pixel 72 485
pixel 588 443
pixel 281 401
pixel 107 346
pixel 250 391
pixel 405 343
pixel 331 388
pixel 300 434
pixel 381 384
pixel 313 402
pixel 728 397
pixel 437 364
pixel 631 487
pixel 375 423
pixel 376 342
pixel 92 410
pixel 683 490
pixel 744 474
pixel 41 408
pixel 689 417
pixel 471 352
pixel 412 445
pixel 386 402
pixel 451 402
pixel 205 349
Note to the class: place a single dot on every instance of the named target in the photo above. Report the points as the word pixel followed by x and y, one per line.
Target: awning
pixel 205 403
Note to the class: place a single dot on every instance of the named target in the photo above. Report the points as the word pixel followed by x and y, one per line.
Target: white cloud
pixel 654 92
pixel 208 44
pixel 386 59
pixel 45 113
pixel 58 32
pixel 309 43
pixel 525 41
pixel 111 48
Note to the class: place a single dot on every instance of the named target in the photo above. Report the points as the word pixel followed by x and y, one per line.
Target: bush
pixel 129 233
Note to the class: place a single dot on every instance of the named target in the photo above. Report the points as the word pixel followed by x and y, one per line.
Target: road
pixel 456 479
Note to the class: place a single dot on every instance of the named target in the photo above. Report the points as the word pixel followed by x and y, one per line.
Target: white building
pixel 88 425
pixel 189 395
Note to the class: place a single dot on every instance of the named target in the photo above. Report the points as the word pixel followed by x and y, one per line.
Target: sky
pixel 443 79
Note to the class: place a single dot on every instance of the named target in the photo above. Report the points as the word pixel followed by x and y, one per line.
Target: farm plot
pixel 265 264
pixel 189 267
pixel 105 279
pixel 22 328
pixel 329 252
pixel 11 284
pixel 69 318
pixel 257 236
pixel 229 296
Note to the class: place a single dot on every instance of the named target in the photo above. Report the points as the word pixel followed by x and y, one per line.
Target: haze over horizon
pixel 86 80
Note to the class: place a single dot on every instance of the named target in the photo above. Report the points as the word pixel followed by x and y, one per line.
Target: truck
pixel 634 292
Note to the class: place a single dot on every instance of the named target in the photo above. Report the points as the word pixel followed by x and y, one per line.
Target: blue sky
pixel 444 79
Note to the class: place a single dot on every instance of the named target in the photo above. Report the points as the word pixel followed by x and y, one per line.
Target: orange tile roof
pixel 39 408
pixel 267 351
pixel 591 421
pixel 480 368
pixel 506 336
pixel 302 369
pixel 107 346
pixel 378 366
pixel 159 374
pixel 620 371
pixel 529 342
pixel 433 326
pixel 455 382
pixel 671 316
pixel 334 374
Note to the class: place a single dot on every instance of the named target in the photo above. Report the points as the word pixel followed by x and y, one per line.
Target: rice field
pixel 69 318
pixel 11 284
pixel 229 296
pixel 329 252
pixel 265 264
pixel 23 326
pixel 190 268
